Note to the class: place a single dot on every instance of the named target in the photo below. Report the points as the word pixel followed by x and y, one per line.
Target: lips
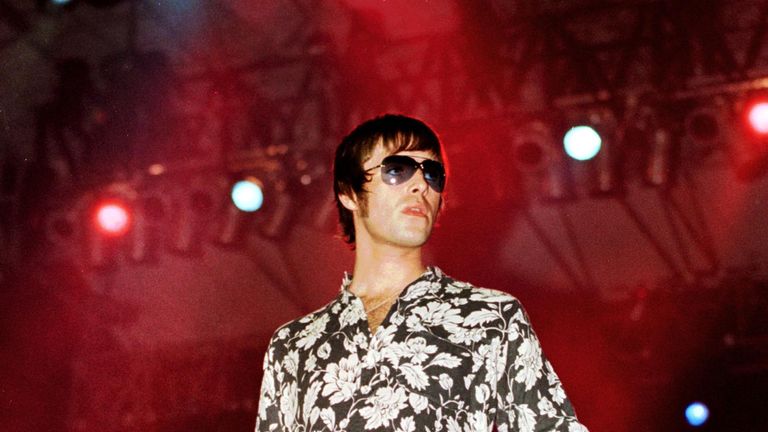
pixel 416 210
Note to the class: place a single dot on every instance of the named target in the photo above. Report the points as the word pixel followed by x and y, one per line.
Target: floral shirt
pixel 447 357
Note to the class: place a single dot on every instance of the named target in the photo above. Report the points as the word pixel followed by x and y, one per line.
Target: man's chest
pixel 417 375
pixel 377 315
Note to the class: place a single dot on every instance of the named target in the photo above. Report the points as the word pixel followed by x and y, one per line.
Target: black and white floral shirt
pixel 448 357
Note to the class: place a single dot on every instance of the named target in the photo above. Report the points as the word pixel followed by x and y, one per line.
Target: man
pixel 403 347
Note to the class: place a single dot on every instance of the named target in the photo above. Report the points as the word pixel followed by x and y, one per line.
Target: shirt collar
pixel 432 273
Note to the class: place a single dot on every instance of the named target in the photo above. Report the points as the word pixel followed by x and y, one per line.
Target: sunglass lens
pixel 397 170
pixel 434 174
pixel 432 170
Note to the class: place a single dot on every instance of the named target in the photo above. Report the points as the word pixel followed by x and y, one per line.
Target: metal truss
pixel 574 52
pixel 309 86
pixel 234 105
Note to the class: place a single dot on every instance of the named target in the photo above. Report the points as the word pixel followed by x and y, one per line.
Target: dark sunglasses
pixel 398 169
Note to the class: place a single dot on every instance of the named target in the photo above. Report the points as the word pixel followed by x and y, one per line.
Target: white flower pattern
pixel 342 379
pixel 448 357
pixel 384 407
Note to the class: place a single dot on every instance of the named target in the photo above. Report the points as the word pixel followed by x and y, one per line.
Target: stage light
pixel 113 218
pixel 582 143
pixel 707 132
pixel 55 6
pixel 248 194
pixel 535 154
pixel 697 414
pixel 750 152
pixel 532 147
pixel 110 221
pixel 758 117
pixel 110 216
pixel 702 124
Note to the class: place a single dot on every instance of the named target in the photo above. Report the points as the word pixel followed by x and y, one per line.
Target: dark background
pixel 643 270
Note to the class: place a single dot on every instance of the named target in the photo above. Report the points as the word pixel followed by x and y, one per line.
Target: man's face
pixel 396 215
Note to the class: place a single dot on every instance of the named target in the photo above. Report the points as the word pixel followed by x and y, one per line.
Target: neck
pixel 383 271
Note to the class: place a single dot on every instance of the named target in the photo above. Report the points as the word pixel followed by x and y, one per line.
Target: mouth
pixel 416 210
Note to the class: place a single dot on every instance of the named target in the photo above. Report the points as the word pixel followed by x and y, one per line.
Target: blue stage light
pixel 248 195
pixel 697 414
pixel 582 143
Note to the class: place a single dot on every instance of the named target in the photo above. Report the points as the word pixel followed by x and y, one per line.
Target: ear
pixel 348 202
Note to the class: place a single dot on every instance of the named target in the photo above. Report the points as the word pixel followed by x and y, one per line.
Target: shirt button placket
pixel 368 355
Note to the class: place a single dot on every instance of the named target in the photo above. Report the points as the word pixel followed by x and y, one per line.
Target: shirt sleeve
pixel 268 415
pixel 530 397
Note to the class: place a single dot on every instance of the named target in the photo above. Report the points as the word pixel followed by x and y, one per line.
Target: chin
pixel 414 244
pixel 416 240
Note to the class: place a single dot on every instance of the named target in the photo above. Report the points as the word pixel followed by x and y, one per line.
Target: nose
pixel 418 183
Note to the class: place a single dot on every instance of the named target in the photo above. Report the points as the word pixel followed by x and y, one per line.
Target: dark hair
pixel 396 133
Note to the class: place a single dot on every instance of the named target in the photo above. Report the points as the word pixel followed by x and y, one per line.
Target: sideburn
pixel 362 203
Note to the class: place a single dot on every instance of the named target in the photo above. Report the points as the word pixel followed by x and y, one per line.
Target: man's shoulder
pixel 301 325
pixel 455 309
pixel 453 288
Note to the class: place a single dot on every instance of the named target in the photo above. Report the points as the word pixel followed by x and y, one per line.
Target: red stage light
pixel 758 117
pixel 113 218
